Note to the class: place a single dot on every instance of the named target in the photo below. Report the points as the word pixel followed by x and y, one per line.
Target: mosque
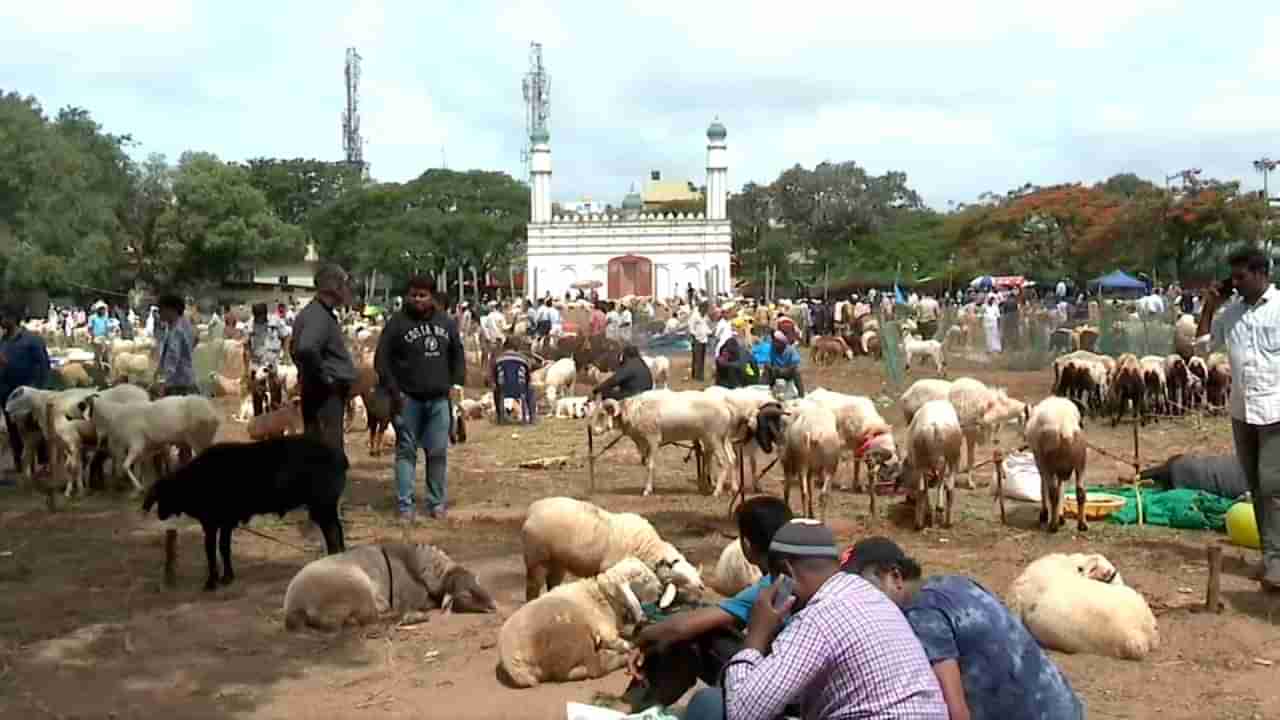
pixel 632 252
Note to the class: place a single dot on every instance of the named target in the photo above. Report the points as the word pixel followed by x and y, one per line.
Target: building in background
pixel 636 251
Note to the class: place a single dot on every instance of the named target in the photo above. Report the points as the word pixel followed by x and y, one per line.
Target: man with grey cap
pixel 847 652
pixel 988 665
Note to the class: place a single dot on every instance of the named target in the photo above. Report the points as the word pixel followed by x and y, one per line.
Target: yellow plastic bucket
pixel 1242 526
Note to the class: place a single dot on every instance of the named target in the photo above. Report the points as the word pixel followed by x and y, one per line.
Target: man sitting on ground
pixel 988 664
pixel 673 654
pixel 848 652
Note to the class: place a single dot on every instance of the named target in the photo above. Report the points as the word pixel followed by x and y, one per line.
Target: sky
pixel 963 97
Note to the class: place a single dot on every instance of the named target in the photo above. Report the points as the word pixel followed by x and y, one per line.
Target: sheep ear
pixel 633 603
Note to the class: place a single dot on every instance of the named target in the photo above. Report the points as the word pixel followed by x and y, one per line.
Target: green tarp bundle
pixel 1181 509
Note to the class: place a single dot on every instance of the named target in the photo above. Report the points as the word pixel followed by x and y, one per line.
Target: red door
pixel 630 275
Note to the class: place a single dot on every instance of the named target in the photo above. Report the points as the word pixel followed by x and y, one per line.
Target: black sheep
pixel 229 483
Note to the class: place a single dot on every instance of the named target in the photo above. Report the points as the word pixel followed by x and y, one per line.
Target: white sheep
pixel 574 632
pixel 563 535
pixel 1156 381
pixel 126 366
pixel 560 377
pixel 70 434
pixel 809 446
pixel 1055 433
pixel 921 392
pixel 660 369
pixel 914 347
pixel 733 573
pixel 867 436
pixel 135 431
pixel 658 417
pixel 982 410
pixel 743 403
pixel 1068 604
pixel 934 440
pixel 1184 336
pixel 573 407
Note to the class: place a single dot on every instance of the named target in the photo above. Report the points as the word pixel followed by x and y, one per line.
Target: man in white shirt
pixel 723 331
pixel 1250 328
pixel 699 331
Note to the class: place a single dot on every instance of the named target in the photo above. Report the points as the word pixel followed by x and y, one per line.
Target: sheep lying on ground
pixel 657 417
pixel 733 573
pixel 563 535
pixel 137 431
pixel 934 440
pixel 229 483
pixel 286 420
pixel 1069 605
pixel 573 407
pixel 914 348
pixel 359 586
pixel 1055 434
pixel 574 632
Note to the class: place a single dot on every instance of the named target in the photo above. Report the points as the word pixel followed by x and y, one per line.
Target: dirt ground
pixel 88 631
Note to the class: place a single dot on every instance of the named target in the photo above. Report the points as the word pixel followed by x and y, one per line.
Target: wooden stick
pixel 591 461
pixel 997 458
pixel 1212 602
pixel 1137 477
pixel 871 489
pixel 170 558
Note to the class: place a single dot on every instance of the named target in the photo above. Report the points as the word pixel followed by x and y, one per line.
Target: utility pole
pixel 1265 165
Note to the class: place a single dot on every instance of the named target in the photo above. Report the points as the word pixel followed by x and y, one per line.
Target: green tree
pixel 297 188
pixel 220 225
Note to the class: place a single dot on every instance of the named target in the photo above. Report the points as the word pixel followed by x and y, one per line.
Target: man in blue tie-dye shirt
pixel 987 662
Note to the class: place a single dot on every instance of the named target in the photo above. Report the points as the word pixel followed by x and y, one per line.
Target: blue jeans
pixel 706 704
pixel 422 425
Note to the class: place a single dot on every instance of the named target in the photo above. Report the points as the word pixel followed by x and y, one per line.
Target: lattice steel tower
pixel 537 100
pixel 352 143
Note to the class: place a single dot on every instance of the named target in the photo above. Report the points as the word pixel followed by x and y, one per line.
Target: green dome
pixel 717 131
pixel 540 136
pixel 633 201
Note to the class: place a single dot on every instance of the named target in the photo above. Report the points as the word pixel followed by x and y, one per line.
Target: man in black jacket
pixel 631 379
pixel 325 370
pixel 420 360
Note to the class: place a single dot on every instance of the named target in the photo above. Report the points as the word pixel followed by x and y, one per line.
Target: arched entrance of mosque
pixel 630 275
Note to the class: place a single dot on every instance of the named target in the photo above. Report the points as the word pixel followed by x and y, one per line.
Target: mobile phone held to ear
pixel 1226 287
pixel 785 587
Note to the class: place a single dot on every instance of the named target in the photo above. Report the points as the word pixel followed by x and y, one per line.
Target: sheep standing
pixel 733 573
pixel 1153 377
pixel 921 392
pixel 560 378
pixel 574 632
pixel 659 417
pixel 660 370
pixel 229 483
pixel 358 586
pixel 914 347
pixel 1128 386
pixel 934 440
pixel 1217 383
pixel 563 535
pixel 828 349
pixel 743 403
pixel 867 436
pixel 982 410
pixel 70 435
pixel 1073 604
pixel 1055 433
pixel 809 446
pixel 136 431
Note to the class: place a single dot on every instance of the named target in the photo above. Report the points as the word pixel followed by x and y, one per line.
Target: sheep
pixel 223 386
pixel 1153 377
pixel 1217 383
pixel 1068 604
pixel 229 483
pixel 660 369
pixel 867 436
pixel 1198 371
pixel 562 534
pixel 286 420
pixel 73 375
pixel 135 431
pixel 733 573
pixel 126 366
pixel 473 409
pixel 561 376
pixel 934 441
pixel 574 631
pixel 573 407
pixel 1127 385
pixel 826 349
pixel 743 403
pixel 914 347
pixel 1184 336
pixel 1177 382
pixel 360 585
pixel 870 342
pixel 1055 433
pixel 378 408
pixel 921 392
pixel 658 417
pixel 1082 376
pixel 982 410
pixel 809 444
pixel 69 434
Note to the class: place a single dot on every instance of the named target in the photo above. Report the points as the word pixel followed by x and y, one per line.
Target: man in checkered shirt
pixel 848 652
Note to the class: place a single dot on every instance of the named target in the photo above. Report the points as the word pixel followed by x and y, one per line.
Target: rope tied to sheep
pixel 265 536
pixel 391 580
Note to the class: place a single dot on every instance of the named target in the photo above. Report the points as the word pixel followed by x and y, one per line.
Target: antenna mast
pixel 537 100
pixel 352 142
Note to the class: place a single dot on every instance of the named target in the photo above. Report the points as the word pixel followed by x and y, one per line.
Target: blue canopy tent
pixel 1118 282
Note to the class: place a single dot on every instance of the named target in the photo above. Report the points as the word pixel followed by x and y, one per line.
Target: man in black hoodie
pixel 631 379
pixel 419 360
